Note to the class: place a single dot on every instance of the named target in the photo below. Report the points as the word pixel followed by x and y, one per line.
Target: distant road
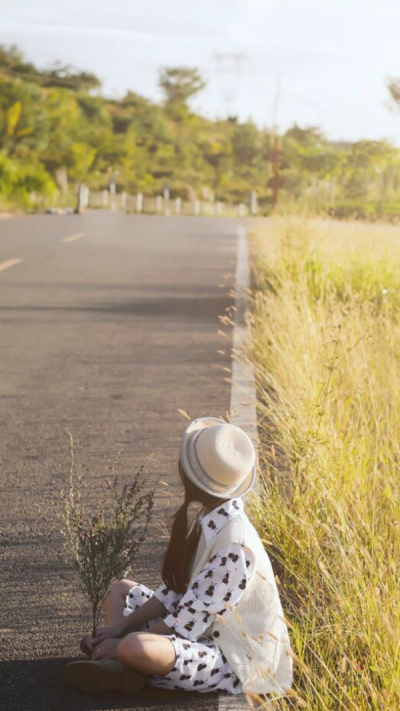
pixel 108 325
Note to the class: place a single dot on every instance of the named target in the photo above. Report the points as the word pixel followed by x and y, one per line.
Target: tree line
pixel 57 130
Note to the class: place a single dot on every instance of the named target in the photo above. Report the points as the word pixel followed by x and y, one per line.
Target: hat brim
pixel 186 453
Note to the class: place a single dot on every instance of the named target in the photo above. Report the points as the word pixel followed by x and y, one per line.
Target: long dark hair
pixel 182 547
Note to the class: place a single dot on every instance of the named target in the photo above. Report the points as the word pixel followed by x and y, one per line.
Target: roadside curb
pixel 243 390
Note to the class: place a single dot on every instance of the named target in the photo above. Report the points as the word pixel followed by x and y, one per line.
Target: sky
pixel 314 62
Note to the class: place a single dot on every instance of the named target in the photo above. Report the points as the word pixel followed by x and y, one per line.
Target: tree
pixel 53 122
pixel 180 84
pixel 68 77
pixel 13 64
pixel 394 91
pixel 246 143
pixel 311 136
pixel 217 151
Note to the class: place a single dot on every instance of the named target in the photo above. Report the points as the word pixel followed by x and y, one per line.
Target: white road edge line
pixel 72 238
pixel 9 263
pixel 243 392
pixel 243 411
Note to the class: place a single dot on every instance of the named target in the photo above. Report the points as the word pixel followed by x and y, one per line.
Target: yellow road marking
pixel 72 238
pixel 9 263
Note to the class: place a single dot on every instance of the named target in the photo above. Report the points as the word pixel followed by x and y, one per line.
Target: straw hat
pixel 219 458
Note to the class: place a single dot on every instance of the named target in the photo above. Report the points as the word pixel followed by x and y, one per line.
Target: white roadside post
pixel 112 195
pixel 104 198
pixel 166 200
pixel 158 203
pixel 196 207
pixel 123 201
pixel 83 198
pixel 253 206
pixel 178 206
pixel 139 203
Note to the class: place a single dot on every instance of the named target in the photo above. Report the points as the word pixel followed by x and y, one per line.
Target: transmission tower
pixel 228 68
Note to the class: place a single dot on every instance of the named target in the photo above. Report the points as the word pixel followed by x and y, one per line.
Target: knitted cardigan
pixel 253 636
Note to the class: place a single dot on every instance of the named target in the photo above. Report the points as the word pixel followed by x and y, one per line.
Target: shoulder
pixel 241 531
pixel 236 530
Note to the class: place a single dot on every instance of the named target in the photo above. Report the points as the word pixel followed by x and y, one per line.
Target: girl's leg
pixel 114 604
pixel 147 653
pixel 199 666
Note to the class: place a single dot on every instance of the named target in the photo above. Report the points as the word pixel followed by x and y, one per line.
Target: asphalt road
pixel 107 335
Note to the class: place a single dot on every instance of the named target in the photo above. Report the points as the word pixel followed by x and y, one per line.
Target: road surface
pixel 108 326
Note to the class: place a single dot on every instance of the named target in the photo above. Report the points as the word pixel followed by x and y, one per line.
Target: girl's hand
pixel 108 632
pixel 86 645
pixel 105 650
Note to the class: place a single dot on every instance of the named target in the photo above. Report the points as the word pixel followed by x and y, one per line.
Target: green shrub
pixel 21 184
pixel 102 545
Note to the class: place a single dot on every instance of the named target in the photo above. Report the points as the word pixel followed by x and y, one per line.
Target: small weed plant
pixel 102 544
pixel 326 345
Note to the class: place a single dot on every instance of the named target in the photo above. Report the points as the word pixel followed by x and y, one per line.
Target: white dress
pixel 200 664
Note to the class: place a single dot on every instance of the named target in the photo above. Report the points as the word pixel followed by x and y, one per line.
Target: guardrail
pixel 157 205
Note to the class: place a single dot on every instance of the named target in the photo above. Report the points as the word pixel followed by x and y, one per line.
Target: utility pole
pixel 275 154
pixel 275 106
pixel 276 158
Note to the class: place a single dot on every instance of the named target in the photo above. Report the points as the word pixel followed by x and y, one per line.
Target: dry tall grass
pixel 327 352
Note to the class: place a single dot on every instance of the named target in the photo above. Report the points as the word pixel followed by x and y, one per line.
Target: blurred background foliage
pixel 57 130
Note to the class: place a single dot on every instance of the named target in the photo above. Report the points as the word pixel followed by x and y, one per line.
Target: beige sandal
pixel 105 675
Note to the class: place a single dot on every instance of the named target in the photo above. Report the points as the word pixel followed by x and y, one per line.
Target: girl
pixel 216 623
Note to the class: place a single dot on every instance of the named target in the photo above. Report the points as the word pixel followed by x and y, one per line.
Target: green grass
pixel 326 346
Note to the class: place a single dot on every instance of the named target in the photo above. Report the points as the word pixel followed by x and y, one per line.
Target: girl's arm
pixel 148 611
pixel 161 628
pixel 168 601
pixel 216 590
